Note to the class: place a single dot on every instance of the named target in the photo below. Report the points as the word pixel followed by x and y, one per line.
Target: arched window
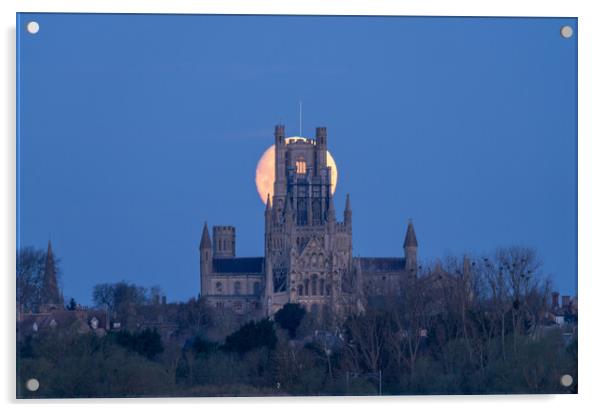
pixel 328 290
pixel 219 288
pixel 301 166
pixel 314 285
pixel 300 288
pixel 306 287
pixel 237 288
pixel 321 287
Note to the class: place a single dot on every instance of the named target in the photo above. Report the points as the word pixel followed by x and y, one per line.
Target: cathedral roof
pixel 382 264
pixel 238 265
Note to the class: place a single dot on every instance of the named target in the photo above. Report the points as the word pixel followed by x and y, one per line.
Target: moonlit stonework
pixel 265 174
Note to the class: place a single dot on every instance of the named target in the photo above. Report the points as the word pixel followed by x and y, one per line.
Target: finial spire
pixel 410 240
pixel 268 203
pixel 347 203
pixel 205 239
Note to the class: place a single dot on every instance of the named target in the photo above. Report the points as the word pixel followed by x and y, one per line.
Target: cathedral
pixel 308 255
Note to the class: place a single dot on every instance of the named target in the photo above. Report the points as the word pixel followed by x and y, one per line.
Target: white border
pixel 590 133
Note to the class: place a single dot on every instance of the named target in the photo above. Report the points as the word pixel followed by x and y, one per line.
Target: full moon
pixel 265 174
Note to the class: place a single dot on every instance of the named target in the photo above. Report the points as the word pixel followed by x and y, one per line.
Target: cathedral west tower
pixel 307 253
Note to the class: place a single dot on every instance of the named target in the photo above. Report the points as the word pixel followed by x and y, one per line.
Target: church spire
pixel 268 204
pixel 50 289
pixel 205 239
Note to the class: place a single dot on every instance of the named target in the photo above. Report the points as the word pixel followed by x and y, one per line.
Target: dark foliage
pixel 146 343
pixel 252 335
pixel 290 317
pixel 200 345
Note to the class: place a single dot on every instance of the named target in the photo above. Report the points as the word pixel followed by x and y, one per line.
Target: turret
pixel 331 214
pixel 321 143
pixel 206 261
pixel 410 247
pixel 280 167
pixel 347 213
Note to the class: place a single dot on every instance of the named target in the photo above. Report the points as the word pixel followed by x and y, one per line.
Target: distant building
pixel 308 253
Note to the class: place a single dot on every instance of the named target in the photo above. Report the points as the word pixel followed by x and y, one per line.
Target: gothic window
pixel 237 288
pixel 316 212
pixel 328 290
pixel 302 211
pixel 321 287
pixel 307 287
pixel 314 285
pixel 301 166
pixel 219 288
pixel 300 288
pixel 279 280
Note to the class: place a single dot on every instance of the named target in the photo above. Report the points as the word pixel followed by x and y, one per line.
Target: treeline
pixel 459 327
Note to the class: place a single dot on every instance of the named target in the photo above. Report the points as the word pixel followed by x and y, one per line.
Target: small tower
pixel 206 262
pixel 51 297
pixel 224 241
pixel 410 248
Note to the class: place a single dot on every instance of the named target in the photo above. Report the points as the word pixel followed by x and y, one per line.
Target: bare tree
pixel 30 273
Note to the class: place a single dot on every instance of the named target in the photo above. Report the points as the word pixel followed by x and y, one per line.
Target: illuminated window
pixel 301 166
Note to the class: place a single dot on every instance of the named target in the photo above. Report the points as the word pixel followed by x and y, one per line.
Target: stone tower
pixel 307 252
pixel 224 241
pixel 51 297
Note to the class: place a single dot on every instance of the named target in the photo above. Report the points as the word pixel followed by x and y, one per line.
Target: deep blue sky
pixel 135 129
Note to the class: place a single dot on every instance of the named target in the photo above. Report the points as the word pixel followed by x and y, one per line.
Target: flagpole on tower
pixel 300 118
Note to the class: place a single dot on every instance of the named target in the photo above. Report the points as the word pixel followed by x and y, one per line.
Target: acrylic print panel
pixel 219 205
